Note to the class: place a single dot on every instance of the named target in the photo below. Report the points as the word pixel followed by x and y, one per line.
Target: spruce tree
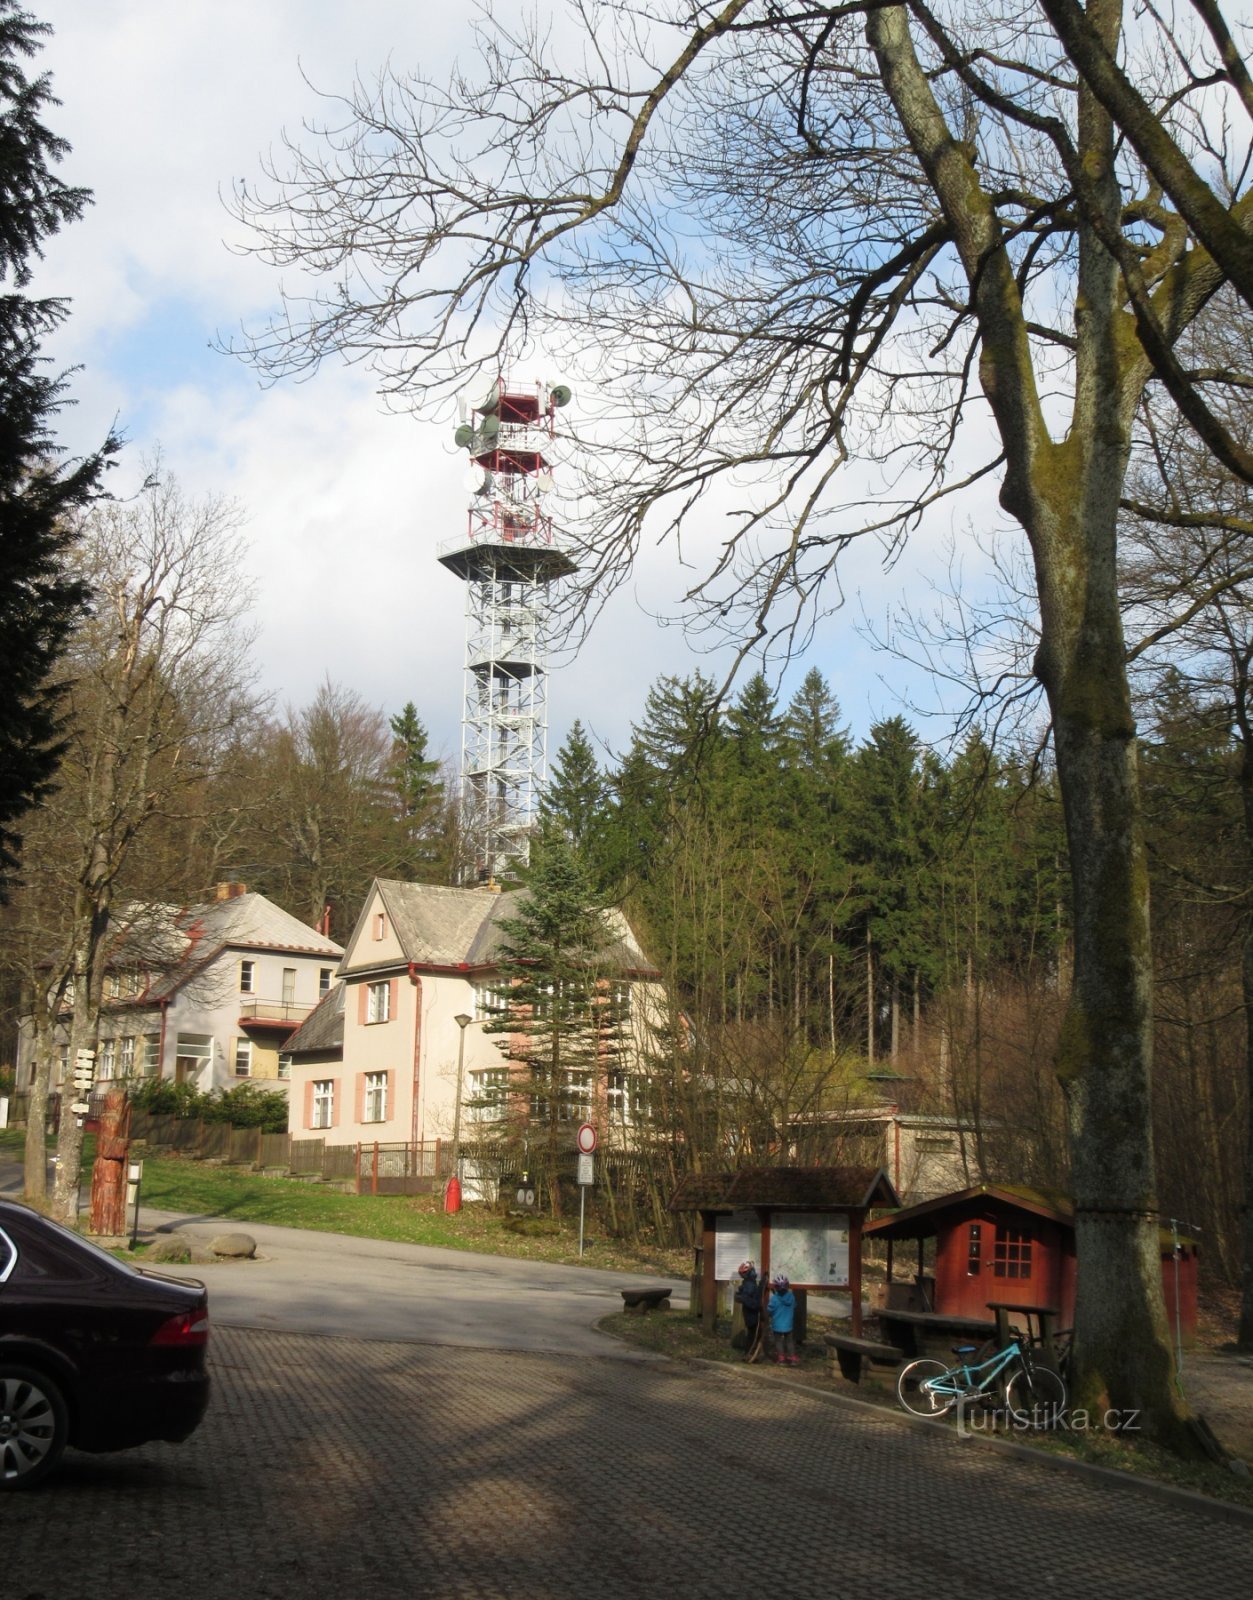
pixel 573 802
pixel 40 598
pixel 558 1017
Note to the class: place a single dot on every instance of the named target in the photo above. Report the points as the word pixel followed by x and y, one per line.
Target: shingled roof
pixel 441 927
pixel 785 1189
pixel 322 1030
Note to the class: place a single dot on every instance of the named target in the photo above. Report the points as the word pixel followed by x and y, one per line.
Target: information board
pixel 736 1238
pixel 810 1247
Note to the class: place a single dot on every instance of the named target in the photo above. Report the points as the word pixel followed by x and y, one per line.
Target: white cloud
pixel 165 104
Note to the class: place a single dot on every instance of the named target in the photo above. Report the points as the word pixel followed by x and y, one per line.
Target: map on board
pixel 810 1247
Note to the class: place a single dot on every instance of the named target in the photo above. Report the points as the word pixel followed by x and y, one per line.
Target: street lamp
pixel 452 1191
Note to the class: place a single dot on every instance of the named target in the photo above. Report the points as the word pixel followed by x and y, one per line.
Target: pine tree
pixel 40 599
pixel 573 802
pixel 560 1020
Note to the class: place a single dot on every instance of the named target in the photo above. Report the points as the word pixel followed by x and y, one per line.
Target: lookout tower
pixel 507 560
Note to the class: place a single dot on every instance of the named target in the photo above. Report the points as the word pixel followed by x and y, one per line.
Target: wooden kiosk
pixel 804 1221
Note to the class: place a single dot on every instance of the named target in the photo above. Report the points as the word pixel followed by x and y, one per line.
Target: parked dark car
pixel 93 1353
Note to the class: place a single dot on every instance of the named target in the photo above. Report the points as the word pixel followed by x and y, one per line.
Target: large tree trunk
pixel 35 1168
pixel 1065 495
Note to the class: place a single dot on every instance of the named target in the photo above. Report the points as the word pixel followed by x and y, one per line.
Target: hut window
pixel 1013 1254
pixel 974 1250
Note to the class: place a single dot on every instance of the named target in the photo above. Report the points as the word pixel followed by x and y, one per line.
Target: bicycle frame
pixel 962 1381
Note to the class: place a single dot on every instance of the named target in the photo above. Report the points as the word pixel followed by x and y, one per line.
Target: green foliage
pixel 243 1106
pixel 40 599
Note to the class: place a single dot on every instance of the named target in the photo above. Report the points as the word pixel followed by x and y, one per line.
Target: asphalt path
pixel 329 1283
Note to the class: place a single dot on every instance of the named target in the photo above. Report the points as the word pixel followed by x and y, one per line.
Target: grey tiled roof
pixel 442 927
pixel 187 937
pixel 251 919
pixel 323 1029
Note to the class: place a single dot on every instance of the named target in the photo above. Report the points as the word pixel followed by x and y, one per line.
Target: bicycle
pixel 1034 1395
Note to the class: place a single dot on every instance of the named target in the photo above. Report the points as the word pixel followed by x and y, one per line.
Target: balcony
pixel 254 1013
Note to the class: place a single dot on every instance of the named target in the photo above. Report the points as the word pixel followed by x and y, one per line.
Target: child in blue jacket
pixel 782 1315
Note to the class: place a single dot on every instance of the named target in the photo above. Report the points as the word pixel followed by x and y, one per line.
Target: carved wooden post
pixel 108 1177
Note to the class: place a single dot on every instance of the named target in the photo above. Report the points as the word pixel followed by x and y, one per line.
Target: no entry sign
pixel 586 1138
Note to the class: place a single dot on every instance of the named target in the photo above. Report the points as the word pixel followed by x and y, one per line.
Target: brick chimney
pixel 229 891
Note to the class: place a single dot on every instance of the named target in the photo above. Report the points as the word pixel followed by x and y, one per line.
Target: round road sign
pixel 586 1138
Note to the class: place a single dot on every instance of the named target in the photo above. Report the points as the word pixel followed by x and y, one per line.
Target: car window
pixel 47 1251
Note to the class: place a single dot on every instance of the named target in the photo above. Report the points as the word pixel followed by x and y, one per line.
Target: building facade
pixel 420 957
pixel 207 995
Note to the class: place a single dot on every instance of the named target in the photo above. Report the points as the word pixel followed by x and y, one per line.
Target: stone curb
pixel 1187 1499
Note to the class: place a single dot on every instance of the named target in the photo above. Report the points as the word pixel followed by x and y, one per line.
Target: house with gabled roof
pixel 205 994
pixel 420 957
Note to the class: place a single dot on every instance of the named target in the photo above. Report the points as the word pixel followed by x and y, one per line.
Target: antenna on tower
pixel 508 560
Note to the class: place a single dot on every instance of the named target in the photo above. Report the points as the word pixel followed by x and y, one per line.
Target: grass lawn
pixel 199 1188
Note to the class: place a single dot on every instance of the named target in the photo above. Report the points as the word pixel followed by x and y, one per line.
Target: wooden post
pixel 108 1176
pixel 374 1175
pixel 854 1270
pixel 709 1285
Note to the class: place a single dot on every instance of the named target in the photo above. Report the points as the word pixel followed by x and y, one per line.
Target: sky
pixel 343 501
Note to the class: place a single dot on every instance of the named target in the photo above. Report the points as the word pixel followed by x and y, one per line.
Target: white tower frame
pixel 507 560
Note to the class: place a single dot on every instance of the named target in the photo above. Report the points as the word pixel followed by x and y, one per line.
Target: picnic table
pixel 914 1333
pixel 1041 1326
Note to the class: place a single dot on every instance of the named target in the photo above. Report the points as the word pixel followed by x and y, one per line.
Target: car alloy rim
pixel 27 1427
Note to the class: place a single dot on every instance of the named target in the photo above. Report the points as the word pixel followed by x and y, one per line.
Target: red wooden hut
pixel 1008 1244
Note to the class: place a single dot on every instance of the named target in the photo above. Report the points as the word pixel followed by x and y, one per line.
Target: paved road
pixel 456 1462
pixel 330 1284
pixel 333 1467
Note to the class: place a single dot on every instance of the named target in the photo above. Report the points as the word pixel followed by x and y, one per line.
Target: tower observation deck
pixel 507 560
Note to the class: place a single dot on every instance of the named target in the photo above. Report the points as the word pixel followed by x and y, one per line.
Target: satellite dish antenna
pixel 491 399
pixel 544 483
pixel 476 480
pixel 560 393
pixel 491 427
pixel 464 436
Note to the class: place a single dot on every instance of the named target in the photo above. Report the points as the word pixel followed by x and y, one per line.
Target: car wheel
pixel 34 1426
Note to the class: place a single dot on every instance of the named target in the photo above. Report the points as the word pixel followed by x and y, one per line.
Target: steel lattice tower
pixel 507 560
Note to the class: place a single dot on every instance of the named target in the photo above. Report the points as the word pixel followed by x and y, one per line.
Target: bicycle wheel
pixel 915 1394
pixel 1035 1397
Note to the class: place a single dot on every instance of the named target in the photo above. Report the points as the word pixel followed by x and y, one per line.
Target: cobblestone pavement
pixel 338 1467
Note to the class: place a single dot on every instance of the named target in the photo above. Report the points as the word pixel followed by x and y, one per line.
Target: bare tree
pixel 795 242
pixel 157 681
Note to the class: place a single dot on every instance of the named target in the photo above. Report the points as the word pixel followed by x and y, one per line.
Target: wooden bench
pixel 854 1355
pixel 639 1301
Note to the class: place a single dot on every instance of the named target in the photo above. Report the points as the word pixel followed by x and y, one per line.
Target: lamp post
pixel 452 1190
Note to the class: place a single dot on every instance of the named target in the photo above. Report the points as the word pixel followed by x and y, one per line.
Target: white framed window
pixel 379 1002
pixel 284 1065
pixel 489 1087
pixel 113 986
pixel 289 986
pixel 374 1098
pixel 491 1000
pixel 150 1066
pixel 243 1058
pixel 63 1064
pixel 576 1097
pixel 626 1098
pixel 380 924
pixel 126 1056
pixel 324 979
pixel 106 1063
pixel 323 1103
pixel 247 977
